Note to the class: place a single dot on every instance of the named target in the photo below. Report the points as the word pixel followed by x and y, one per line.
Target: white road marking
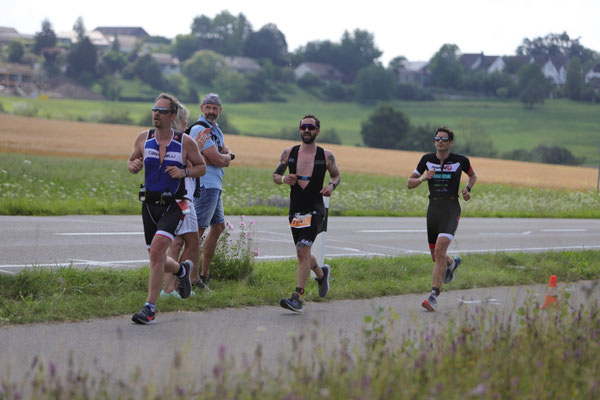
pixel 392 230
pixel 565 230
pixel 97 233
pixel 486 301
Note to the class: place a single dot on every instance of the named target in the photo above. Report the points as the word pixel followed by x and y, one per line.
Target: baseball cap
pixel 211 98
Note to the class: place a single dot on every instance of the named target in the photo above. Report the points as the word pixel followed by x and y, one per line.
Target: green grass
pixel 41 185
pixel 510 126
pixel 42 294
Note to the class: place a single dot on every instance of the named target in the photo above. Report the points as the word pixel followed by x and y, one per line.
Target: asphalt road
pixel 118 242
pixel 120 347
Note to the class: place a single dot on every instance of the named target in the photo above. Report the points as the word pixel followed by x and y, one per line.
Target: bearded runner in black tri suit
pixel 442 170
pixel 307 165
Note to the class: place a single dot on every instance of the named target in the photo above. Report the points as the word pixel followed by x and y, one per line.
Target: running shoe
pixel 430 303
pixel 173 294
pixel 145 317
pixel 185 284
pixel 201 285
pixel 324 281
pixel 449 275
pixel 293 303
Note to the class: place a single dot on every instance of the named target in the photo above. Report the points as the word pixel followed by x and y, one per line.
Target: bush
pixel 234 259
pixel 309 80
pixel 24 110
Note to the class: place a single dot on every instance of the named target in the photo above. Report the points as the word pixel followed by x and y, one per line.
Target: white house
pixel 322 71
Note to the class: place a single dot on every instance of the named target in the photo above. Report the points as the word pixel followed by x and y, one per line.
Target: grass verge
pixel 65 294
pixel 38 185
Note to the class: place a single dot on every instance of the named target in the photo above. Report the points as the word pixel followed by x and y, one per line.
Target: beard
pixel 309 140
pixel 211 117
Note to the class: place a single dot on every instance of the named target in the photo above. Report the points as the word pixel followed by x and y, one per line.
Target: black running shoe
pixel 145 317
pixel 324 281
pixel 293 303
pixel 185 284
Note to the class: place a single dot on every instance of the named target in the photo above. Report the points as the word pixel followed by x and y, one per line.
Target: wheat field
pixel 82 139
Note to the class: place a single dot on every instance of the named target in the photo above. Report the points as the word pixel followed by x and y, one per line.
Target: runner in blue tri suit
pixel 164 154
pixel 442 170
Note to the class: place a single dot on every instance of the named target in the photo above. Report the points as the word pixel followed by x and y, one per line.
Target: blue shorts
pixel 209 207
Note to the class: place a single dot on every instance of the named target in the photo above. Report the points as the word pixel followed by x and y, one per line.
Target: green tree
pixel 79 28
pixel 386 127
pixel 268 42
pixel 16 50
pixel 357 51
pixel 114 61
pixel 44 39
pixel 148 71
pixel 556 44
pixel 445 67
pixel 231 85
pixel 575 79
pixel 185 46
pixel 374 83
pixel 203 67
pixel 81 61
pixel 224 34
pixel 534 87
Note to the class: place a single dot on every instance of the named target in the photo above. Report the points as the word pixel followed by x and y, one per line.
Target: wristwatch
pixel 187 172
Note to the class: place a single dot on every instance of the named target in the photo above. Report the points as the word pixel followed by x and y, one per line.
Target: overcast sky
pixel 415 29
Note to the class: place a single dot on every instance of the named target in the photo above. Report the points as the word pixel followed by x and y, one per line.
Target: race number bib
pixel 184 204
pixel 301 221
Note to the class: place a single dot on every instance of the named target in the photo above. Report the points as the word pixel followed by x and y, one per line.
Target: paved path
pixel 119 346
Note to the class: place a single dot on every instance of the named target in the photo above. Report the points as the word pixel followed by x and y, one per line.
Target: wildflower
pixel 256 252
pixel 27 162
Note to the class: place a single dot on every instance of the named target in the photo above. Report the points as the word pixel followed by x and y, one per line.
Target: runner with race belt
pixel 307 165
pixel 442 170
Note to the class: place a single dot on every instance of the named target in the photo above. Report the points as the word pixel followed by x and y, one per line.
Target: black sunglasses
pixel 442 138
pixel 161 110
pixel 310 127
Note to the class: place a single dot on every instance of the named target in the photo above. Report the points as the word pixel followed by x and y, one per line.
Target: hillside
pixel 79 139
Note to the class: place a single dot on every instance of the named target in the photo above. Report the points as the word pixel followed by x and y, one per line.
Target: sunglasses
pixel 310 127
pixel 443 139
pixel 161 110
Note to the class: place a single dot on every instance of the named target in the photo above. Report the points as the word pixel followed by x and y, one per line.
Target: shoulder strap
pixel 189 128
pixel 293 159
pixel 150 134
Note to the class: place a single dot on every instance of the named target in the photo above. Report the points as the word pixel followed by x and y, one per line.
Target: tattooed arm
pixel 278 175
pixel 334 174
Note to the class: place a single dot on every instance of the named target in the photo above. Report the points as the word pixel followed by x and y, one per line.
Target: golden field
pixel 81 139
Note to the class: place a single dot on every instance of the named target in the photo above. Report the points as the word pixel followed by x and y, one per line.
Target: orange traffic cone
pixel 551 294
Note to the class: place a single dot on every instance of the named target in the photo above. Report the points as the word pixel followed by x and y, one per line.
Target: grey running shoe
pixel 430 303
pixel 145 317
pixel 293 303
pixel 449 275
pixel 201 285
pixel 324 281
pixel 185 284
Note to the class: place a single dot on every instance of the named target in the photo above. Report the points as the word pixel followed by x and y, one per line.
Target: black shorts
pixel 308 233
pixel 161 220
pixel 442 218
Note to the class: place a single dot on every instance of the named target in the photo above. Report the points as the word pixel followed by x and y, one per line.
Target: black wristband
pixel 232 156
pixel 333 183
pixel 468 188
